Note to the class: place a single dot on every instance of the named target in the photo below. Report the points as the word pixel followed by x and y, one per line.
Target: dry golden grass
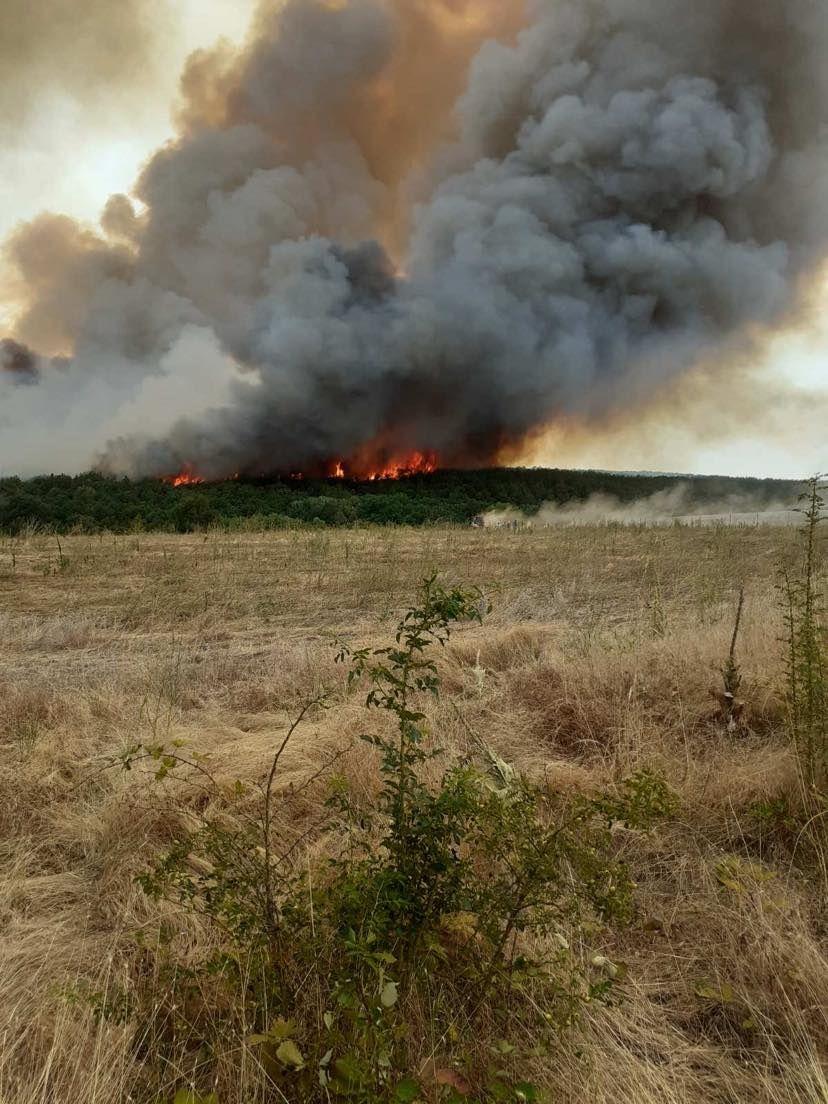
pixel 600 656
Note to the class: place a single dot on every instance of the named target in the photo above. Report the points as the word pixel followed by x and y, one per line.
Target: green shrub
pixel 450 903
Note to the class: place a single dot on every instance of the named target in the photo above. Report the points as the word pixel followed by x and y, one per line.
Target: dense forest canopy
pixel 94 502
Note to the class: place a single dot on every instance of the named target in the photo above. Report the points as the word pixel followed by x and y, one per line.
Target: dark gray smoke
pixel 634 187
pixel 18 362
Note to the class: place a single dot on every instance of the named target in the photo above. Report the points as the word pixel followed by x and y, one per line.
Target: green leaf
pixel 729 883
pixel 407 1091
pixel 498 1091
pixel 388 996
pixel 281 1029
pixel 723 994
pixel 736 874
pixel 290 1055
pixel 348 1074
pixel 503 1046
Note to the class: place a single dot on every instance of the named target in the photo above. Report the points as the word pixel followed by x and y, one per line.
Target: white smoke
pixel 678 504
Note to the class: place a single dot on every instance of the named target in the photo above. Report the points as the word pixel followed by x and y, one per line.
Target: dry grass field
pixel 601 655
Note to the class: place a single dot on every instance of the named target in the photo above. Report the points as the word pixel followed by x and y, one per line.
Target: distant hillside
pixel 94 502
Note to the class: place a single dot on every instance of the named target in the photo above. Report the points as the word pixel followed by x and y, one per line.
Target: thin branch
pixel 267 809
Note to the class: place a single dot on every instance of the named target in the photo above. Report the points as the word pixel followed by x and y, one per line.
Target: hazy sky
pixel 68 148
pixel 70 139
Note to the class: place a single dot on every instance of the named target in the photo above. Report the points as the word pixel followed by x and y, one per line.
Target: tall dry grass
pixel 602 655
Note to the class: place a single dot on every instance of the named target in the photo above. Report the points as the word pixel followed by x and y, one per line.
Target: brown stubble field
pixel 600 656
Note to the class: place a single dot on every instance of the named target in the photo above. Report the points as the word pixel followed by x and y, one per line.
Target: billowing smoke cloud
pixel 95 47
pixel 438 226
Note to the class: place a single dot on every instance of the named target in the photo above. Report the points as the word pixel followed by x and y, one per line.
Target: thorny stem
pixel 736 626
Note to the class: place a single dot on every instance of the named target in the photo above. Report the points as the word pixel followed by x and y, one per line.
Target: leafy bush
pixel 451 903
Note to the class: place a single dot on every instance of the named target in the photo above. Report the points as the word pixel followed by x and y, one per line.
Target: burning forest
pixel 392 234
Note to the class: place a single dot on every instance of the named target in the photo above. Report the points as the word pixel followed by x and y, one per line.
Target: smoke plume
pixel 433 227
pixel 93 48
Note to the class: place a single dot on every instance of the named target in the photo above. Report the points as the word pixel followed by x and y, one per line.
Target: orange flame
pixel 414 463
pixel 185 478
pixel 417 463
pixel 369 467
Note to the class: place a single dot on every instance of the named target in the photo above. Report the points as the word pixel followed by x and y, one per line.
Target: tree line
pixel 93 502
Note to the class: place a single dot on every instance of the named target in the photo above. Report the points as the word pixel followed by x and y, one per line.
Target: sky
pixel 67 146
pixel 69 152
